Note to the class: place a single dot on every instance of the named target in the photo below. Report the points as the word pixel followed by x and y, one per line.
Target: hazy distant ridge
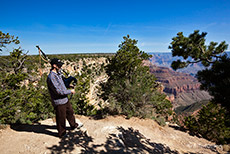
pixel 165 60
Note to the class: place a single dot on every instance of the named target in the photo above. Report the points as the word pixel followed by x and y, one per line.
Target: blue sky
pixel 90 26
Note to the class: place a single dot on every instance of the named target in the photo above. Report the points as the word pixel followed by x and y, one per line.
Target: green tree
pixel 213 121
pixel 131 89
pixel 194 50
pixel 6 38
pixel 19 102
pixel 216 80
pixel 216 77
pixel 11 67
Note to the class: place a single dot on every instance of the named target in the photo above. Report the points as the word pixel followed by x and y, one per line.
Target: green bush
pixel 212 123
pixel 24 105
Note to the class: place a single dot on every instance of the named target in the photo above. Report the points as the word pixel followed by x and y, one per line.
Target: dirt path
pixel 110 135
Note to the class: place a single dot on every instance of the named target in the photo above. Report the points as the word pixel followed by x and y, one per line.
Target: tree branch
pixel 21 62
pixel 202 50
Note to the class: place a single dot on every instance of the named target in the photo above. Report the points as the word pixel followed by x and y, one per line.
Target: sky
pixel 98 26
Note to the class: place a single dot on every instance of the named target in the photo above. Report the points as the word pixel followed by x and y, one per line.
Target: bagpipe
pixel 67 80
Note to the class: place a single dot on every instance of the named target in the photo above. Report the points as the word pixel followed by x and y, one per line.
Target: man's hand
pixel 70 86
pixel 73 91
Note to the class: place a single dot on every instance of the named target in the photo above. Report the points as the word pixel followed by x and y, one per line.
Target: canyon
pixel 181 86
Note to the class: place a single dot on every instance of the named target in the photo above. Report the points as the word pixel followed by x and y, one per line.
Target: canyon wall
pixel 181 88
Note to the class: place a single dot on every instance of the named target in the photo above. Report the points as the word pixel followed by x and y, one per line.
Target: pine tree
pixel 20 103
pixel 131 89
pixel 213 121
pixel 216 77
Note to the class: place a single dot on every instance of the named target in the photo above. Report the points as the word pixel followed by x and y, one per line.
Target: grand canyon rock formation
pixel 182 89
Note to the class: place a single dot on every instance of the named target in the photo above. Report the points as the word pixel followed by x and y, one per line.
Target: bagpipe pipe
pixel 67 80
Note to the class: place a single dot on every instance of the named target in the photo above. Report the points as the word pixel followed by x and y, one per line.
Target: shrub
pixel 212 123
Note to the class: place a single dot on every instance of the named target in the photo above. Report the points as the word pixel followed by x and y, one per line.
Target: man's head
pixel 56 63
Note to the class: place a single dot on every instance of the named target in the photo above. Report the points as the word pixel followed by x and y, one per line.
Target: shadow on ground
pixel 37 128
pixel 126 141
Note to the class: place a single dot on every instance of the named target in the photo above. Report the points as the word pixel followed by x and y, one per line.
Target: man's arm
pixel 57 86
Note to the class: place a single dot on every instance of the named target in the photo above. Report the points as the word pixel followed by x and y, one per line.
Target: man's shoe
pixel 77 126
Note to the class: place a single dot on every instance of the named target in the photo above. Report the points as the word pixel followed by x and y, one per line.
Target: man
pixel 58 93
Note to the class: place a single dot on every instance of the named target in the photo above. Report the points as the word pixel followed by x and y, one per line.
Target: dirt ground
pixel 113 135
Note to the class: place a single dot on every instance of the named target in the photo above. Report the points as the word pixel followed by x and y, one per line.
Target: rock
pixel 226 147
pixel 182 89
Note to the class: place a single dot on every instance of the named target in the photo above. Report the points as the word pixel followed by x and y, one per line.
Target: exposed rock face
pixel 182 89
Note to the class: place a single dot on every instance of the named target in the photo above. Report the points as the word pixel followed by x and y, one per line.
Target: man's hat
pixel 57 62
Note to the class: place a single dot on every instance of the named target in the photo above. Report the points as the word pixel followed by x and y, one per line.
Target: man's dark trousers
pixel 63 112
